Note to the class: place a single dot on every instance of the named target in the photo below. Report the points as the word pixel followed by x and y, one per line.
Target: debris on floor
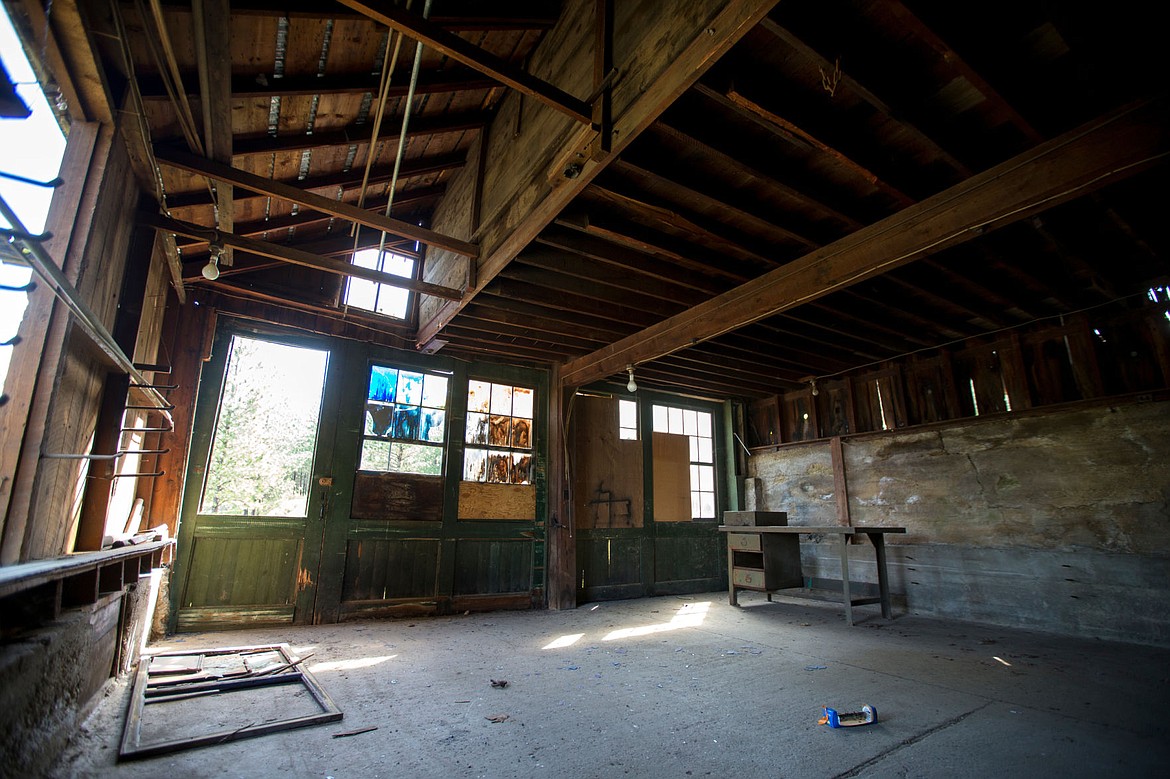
pixel 500 683
pixel 217 695
pixel 835 719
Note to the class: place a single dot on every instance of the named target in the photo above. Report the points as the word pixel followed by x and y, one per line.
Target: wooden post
pixel 561 553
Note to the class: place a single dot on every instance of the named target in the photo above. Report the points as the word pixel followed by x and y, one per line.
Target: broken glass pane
pixel 475 465
pixel 432 425
pixel 410 388
pixel 522 433
pixel 498 430
pixel 406 421
pixel 477 428
pixel 499 468
pixel 378 417
pixel 383 382
pixel 521 468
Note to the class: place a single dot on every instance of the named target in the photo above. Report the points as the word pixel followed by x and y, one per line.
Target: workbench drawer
pixel 744 542
pixel 748 578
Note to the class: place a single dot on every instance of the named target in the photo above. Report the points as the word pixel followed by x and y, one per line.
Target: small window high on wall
pixel 699 428
pixel 499 433
pixel 406 421
pixel 376 297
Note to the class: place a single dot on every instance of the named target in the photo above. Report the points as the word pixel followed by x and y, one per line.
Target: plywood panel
pixel 497 501
pixel 607 485
pixel 672 477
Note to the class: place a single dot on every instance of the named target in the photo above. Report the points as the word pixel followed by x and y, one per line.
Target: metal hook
pixel 49 184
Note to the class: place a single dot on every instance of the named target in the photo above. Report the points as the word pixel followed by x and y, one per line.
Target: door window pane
pixel 499 433
pixel 266 432
pixel 406 421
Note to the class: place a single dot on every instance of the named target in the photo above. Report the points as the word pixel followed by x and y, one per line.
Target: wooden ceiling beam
pixel 194 164
pixel 565 264
pixel 357 134
pixel 352 178
pixel 213 56
pixel 357 83
pixel 1106 150
pixel 451 15
pixel 461 50
pixel 535 168
pixel 297 256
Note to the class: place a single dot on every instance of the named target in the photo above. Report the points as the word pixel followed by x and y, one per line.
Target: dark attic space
pixel 665 361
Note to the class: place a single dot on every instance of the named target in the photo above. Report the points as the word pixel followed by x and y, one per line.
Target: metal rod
pixel 164 408
pixel 50 184
pixel 114 456
pixel 44 266
pixel 152 367
pixel 148 429
pixel 137 475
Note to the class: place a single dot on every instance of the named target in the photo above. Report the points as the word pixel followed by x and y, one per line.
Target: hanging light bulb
pixel 211 269
pixel 631 385
pixel 815 391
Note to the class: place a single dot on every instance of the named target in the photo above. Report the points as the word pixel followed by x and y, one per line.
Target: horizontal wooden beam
pixel 297 256
pixel 451 15
pixel 1101 152
pixel 356 134
pixel 182 160
pixel 265 85
pixel 461 50
pixel 538 161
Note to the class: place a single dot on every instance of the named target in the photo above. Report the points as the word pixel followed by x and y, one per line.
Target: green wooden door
pixel 255 497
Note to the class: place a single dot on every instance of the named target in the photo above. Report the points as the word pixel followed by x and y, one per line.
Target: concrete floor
pixel 687 686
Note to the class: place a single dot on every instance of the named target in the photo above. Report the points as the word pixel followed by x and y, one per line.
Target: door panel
pixel 250 531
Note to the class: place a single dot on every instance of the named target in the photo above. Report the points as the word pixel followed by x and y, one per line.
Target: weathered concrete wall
pixel 1056 521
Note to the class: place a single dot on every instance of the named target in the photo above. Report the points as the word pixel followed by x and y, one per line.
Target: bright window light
pixel 380 298
pixel 564 641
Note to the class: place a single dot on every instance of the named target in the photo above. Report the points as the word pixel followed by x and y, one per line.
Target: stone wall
pixel 1054 520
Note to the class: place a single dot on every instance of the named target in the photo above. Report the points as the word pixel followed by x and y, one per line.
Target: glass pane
pixel 375 455
pixel 690 422
pixel 706 478
pixel 498 431
pixel 262 451
pixel 704 424
pixel 694 477
pixel 479 396
pixel 706 454
pixel 522 402
pixel 434 391
pixel 392 301
pixel 499 468
pixel 416 458
pixel 676 422
pixel 696 505
pixel 383 382
pixel 660 422
pixel 378 419
pixel 706 505
pixel 406 420
pixel 475 465
pixel 361 293
pixel 501 399
pixel 477 428
pixel 521 468
pixel 522 433
pixel 627 414
pixel 410 388
pixel 433 423
pixel 694 442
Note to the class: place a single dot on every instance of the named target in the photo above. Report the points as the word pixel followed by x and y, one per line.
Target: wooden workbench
pixel 766 558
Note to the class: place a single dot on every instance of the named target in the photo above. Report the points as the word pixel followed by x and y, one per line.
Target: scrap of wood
pixel 282 667
pixel 496 717
pixel 348 733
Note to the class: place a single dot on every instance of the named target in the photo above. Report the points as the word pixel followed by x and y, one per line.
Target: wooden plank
pixel 461 50
pixel 42 332
pixel 1103 151
pixel 497 501
pixel 395 497
pixel 296 256
pixel 225 173
pixel 659 54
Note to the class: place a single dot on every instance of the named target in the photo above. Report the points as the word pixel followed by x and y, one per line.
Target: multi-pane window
pixel 406 420
pixel 627 420
pixel 499 433
pixel 374 296
pixel 698 427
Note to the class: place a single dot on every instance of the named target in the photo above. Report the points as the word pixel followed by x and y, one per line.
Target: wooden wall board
pixel 672 477
pixel 608 486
